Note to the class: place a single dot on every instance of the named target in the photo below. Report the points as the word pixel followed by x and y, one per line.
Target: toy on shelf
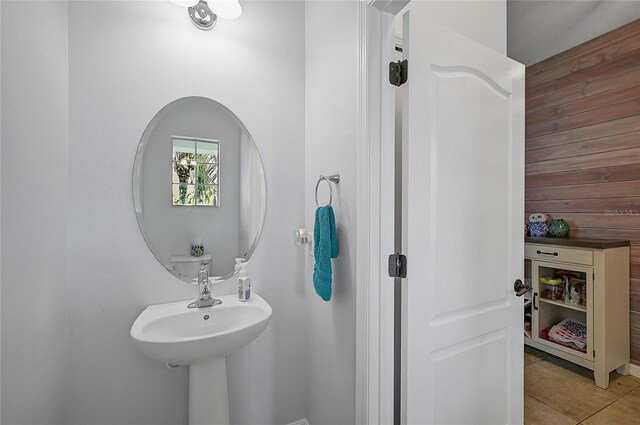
pixel 538 225
pixel 559 228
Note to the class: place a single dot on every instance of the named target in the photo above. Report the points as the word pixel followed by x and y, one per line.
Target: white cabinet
pixel 584 284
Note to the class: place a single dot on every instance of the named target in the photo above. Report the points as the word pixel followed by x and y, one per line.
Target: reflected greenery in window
pixel 195 166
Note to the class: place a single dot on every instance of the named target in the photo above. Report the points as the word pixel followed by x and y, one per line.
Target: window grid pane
pixel 184 194
pixel 195 172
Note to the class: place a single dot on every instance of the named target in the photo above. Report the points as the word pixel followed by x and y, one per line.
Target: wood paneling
pixel 541 90
pixel 606 56
pixel 635 340
pixel 587 147
pixel 634 286
pixel 634 301
pixel 590 103
pixel 585 191
pixel 634 256
pixel 593 175
pixel 621 63
pixel 588 88
pixel 630 29
pixel 583 144
pixel 606 113
pixel 602 205
pixel 610 128
pixel 583 162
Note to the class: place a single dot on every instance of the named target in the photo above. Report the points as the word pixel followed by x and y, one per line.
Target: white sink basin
pixel 178 335
pixel 201 338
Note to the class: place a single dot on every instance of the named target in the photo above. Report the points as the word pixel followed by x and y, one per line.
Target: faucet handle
pixel 213 280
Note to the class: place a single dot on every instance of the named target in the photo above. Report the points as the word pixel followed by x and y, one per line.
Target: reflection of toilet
pixel 185 267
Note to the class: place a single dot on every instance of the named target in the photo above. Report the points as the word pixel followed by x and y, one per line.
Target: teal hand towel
pixel 325 248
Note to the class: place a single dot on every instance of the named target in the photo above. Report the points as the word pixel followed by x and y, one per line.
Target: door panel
pixel 463 203
pixel 463 208
pixel 478 394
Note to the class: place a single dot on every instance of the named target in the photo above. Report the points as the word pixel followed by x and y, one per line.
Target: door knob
pixel 520 288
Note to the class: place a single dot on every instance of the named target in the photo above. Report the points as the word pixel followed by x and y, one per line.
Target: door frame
pixel 375 212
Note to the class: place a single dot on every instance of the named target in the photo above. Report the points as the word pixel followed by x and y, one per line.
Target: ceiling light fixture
pixel 226 9
pixel 204 16
pixel 201 16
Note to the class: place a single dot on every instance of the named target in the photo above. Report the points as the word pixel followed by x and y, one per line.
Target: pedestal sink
pixel 201 339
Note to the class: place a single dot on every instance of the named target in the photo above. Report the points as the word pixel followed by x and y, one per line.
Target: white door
pixel 463 212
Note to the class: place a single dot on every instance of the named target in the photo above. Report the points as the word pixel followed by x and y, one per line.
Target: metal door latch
pixel 520 288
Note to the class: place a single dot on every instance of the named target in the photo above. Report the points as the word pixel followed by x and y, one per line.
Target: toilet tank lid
pixel 190 258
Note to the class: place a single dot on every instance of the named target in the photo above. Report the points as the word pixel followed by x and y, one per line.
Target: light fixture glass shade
pixel 227 9
pixel 184 3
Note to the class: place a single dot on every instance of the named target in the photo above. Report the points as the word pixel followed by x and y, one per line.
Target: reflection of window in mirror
pixel 195 165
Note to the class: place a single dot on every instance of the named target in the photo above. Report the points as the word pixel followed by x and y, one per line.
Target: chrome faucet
pixel 204 286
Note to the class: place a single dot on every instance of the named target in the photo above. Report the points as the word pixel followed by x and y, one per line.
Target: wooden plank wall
pixel 583 144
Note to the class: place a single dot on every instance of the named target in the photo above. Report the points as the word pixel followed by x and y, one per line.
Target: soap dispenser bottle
pixel 244 283
pixel 236 268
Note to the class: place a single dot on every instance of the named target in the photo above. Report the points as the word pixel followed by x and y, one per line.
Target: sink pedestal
pixel 208 393
pixel 175 334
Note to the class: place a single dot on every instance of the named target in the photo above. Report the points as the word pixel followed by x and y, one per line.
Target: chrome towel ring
pixel 334 178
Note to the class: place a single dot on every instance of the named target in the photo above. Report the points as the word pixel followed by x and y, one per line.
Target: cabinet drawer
pixel 556 253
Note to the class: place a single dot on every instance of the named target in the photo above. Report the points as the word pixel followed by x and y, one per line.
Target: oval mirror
pixel 198 188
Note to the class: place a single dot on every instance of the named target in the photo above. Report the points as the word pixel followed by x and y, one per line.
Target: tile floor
pixel 558 392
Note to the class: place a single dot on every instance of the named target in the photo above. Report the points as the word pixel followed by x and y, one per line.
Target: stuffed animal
pixel 538 225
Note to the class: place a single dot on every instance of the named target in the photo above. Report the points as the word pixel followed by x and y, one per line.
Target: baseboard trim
pixel 300 422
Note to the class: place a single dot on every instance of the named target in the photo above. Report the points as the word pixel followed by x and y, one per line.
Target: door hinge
pixel 397 265
pixel 398 72
pixel 594 354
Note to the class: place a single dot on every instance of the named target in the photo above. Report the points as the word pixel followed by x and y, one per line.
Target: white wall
pixel 484 21
pixel 124 66
pixel 331 132
pixel 34 212
pixel 330 140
